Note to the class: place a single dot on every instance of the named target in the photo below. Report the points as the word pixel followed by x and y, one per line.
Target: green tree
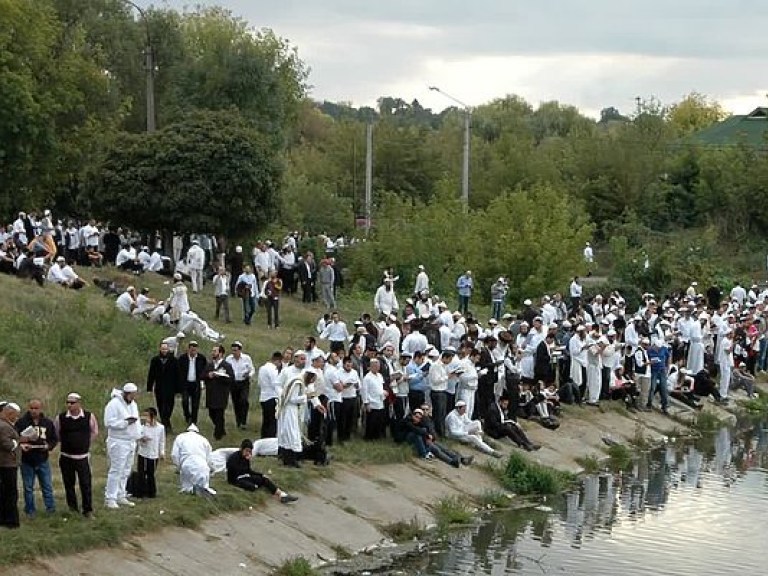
pixel 695 112
pixel 210 173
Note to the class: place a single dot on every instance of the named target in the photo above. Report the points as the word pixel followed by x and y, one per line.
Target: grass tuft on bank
pixel 525 477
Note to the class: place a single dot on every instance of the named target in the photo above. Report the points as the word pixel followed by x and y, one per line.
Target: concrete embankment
pixel 342 514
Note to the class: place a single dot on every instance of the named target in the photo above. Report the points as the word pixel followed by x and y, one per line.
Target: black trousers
pixel 255 481
pixel 190 401
pixel 273 312
pixel 240 390
pixel 80 469
pixel 318 427
pixel 9 497
pixel 217 417
pixel 416 398
pixel 334 409
pixel 166 401
pixel 375 424
pixel 269 418
pixel 346 418
pixel 147 468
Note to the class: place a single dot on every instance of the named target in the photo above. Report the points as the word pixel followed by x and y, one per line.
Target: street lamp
pixel 149 64
pixel 467 139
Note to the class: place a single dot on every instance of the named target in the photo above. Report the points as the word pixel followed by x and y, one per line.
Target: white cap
pixel 130 388
pixel 238 249
pixel 421 266
pixel 460 404
pixel 527 302
pixel 13 406
pixel 180 335
pixel 177 276
pixel 193 428
pixel 493 321
pixel 74 397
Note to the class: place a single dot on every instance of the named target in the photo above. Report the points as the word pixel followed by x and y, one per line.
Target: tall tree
pixel 213 172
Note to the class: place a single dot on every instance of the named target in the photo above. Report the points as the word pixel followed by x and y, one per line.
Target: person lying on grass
pixel 239 474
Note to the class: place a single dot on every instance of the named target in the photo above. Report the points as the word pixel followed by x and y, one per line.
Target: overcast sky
pixel 589 53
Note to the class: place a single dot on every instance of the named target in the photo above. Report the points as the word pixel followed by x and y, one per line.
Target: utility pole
pixel 149 65
pixel 368 175
pixel 467 143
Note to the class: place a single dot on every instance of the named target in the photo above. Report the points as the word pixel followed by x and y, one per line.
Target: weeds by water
pixel 707 422
pixel 404 531
pixel 590 464
pixel 297 566
pixel 522 476
pixel 640 440
pixel 620 458
pixel 453 511
pixel 494 499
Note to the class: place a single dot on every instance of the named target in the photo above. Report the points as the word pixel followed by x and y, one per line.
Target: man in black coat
pixel 163 380
pixel 218 379
pixel 497 425
pixel 191 373
pixel 307 270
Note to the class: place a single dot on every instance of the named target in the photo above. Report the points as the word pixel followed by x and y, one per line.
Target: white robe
pixel 191 453
pixel 578 359
pixel 696 349
pixel 293 403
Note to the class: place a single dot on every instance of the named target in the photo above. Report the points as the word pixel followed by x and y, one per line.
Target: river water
pixel 689 509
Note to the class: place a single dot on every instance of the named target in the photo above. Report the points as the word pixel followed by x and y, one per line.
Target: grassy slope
pixel 57 341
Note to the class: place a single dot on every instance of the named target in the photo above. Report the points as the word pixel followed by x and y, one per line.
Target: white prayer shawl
pixel 191 453
pixel 696 350
pixel 291 413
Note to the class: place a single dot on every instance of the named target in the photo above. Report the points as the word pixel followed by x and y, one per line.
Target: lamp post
pixel 467 140
pixel 149 64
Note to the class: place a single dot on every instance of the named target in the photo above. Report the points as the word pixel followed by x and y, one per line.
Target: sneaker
pixel 455 463
pixel 287 499
pixel 126 502
pixel 429 456
pixel 467 460
pixel 111 505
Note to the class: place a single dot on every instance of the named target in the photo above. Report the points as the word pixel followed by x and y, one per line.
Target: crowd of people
pixel 418 374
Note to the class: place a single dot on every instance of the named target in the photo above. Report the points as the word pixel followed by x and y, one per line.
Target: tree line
pixel 243 151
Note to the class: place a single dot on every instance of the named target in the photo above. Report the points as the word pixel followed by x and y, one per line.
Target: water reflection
pixel 687 509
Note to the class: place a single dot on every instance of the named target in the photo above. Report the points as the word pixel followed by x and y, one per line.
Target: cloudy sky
pixel 589 53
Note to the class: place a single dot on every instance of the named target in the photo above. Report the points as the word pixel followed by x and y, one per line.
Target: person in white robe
pixel 291 414
pixel 191 453
pixel 121 417
pixel 422 281
pixel 178 300
pixel 696 349
pixel 594 368
pixel 577 347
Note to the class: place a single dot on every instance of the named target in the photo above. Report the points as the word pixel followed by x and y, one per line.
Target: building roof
pixel 750 129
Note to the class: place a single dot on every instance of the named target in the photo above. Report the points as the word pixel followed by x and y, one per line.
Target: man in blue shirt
pixel 464 286
pixel 658 357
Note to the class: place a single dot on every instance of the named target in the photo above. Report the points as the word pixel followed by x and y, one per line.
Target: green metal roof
pixel 750 129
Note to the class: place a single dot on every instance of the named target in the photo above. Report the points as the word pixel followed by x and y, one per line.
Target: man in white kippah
pixel 121 417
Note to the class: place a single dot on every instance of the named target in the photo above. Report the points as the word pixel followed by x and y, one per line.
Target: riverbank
pixel 64 341
pixel 349 511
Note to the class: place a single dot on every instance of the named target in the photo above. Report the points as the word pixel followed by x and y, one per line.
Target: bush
pixel 452 511
pixel 525 477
